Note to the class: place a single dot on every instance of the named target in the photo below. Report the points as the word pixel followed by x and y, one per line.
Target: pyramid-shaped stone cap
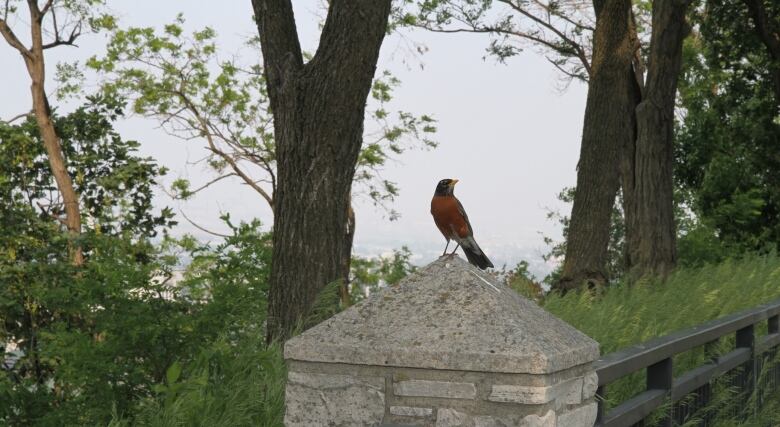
pixel 447 315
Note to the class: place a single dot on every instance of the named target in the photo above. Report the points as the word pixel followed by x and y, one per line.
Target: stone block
pixel 521 394
pixel 317 399
pixel 451 417
pixel 446 417
pixel 444 389
pixel 547 420
pixel 584 416
pixel 568 392
pixel 590 385
pixel 487 421
pixel 410 411
pixel 571 392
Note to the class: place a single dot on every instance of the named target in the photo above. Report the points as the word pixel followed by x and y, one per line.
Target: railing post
pixel 773 376
pixel 660 376
pixel 711 352
pixel 774 324
pixel 601 397
pixel 746 338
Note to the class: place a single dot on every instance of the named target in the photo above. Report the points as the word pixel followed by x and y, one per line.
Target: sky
pixel 509 132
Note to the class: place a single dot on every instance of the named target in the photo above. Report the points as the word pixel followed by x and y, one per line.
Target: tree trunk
pixel 318 112
pixel 349 238
pixel 605 132
pixel 770 36
pixel 36 68
pixel 656 250
pixel 628 157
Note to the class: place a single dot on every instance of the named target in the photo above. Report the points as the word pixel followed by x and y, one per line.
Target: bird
pixel 452 221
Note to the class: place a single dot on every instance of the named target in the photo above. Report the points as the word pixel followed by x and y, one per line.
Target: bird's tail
pixel 474 253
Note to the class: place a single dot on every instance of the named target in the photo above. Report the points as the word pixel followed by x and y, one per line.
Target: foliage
pixel 181 81
pixel 69 17
pixel 226 385
pixel 367 275
pixel 115 184
pixel 560 30
pixel 523 282
pixel 228 281
pixel 327 304
pixel 100 338
pixel 370 274
pixel 94 340
pixel 75 325
pixel 728 143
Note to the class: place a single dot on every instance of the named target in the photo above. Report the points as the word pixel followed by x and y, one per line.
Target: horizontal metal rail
pixel 621 363
pixel 656 357
pixel 635 409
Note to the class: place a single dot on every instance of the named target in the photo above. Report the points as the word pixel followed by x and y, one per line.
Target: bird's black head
pixel 445 187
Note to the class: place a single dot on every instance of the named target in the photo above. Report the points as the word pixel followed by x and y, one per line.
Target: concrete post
pixel 448 346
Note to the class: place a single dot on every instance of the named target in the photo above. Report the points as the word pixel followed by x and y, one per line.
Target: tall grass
pixel 229 385
pixel 624 315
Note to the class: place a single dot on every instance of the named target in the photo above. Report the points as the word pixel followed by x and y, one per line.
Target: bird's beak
pixel 454 181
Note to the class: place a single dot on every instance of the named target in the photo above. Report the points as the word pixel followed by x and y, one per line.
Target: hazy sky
pixel 508 132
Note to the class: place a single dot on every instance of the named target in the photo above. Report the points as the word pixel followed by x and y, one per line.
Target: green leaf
pixel 173 372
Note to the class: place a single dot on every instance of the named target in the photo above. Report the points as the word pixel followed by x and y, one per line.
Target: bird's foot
pixel 454 250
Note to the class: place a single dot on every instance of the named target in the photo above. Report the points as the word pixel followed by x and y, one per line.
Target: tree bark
pixel 770 36
pixel 349 238
pixel 606 131
pixel 628 157
pixel 36 68
pixel 656 250
pixel 318 110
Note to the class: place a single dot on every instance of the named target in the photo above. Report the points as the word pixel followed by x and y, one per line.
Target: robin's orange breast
pixel 448 218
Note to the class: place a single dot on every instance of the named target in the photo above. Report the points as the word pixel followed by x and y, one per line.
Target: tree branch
pixel 350 26
pixel 281 48
pixel 74 34
pixel 770 37
pixel 17 117
pixel 562 16
pixel 203 229
pixel 13 41
pixel 212 182
pixel 213 148
pixel 567 47
pixel 46 7
pixel 576 47
pixel 566 72
pixel 51 214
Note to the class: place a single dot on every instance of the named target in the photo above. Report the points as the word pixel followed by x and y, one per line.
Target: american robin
pixel 451 218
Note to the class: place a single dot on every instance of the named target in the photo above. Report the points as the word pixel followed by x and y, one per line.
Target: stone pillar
pixel 447 346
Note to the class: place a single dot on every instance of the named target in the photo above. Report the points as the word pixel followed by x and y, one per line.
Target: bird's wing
pixel 465 217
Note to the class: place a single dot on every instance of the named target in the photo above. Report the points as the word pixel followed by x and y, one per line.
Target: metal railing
pixel 694 386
